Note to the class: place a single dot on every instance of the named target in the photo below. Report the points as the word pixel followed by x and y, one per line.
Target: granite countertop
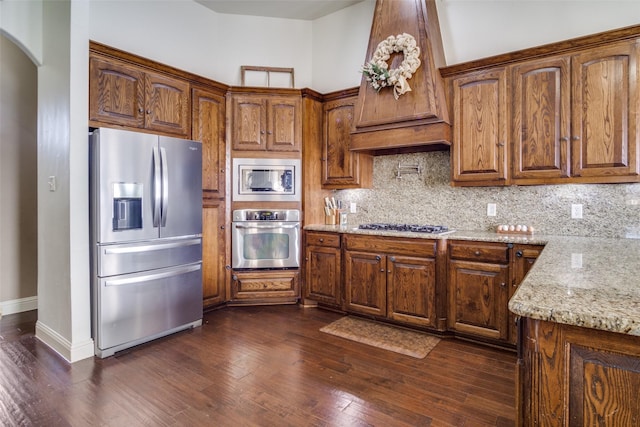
pixel 583 281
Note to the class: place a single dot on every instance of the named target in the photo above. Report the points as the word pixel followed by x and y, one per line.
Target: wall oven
pixel 272 180
pixel 265 239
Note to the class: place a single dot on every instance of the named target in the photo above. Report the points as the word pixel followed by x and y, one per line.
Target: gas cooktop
pixel 432 229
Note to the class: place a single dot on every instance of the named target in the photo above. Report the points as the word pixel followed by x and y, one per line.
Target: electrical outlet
pixel 576 260
pixel 352 207
pixel 491 209
pixel 576 211
pixel 53 185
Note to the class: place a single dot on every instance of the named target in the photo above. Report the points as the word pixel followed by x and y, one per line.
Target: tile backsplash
pixel 608 210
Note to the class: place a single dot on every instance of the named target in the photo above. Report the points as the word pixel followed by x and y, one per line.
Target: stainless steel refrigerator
pixel 146 237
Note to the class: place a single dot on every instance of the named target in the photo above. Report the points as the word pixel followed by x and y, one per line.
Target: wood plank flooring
pixel 253 366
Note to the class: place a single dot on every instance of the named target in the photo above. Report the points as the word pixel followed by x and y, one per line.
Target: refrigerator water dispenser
pixel 127 206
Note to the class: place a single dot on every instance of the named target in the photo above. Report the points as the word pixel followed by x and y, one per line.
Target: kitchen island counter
pixel 581 281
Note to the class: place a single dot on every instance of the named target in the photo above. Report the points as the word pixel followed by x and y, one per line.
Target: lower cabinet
pixel 478 289
pixel 393 278
pixel 264 287
pixel 214 240
pixel 524 256
pixel 572 376
pixel 322 268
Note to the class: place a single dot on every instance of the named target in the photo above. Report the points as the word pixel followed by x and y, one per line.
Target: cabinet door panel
pixel 411 290
pixel 209 128
pixel 365 283
pixel 284 132
pixel 323 274
pixel 604 122
pixel 340 166
pixel 213 253
pixel 478 303
pixel 116 93
pixel 540 126
pixel 248 123
pixel 167 105
pixel 480 133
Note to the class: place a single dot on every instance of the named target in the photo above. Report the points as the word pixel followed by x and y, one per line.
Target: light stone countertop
pixel 583 281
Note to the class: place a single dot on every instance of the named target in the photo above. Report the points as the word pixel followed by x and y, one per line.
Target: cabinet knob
pixel 564 139
pixel 221 170
pixel 148 111
pixel 503 285
pixel 222 227
pixel 575 138
pixel 378 258
pixel 321 240
pixel 382 270
pixel 261 132
pixel 269 132
pixel 234 277
pixel 500 144
pixel 519 254
pixel 392 259
pixel 477 253
pixel 141 110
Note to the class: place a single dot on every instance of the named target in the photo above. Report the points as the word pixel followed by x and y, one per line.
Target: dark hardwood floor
pixel 253 366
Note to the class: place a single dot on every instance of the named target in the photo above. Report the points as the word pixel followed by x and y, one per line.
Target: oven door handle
pixel 266 227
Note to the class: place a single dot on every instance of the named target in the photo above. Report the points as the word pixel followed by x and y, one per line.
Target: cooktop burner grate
pixel 432 229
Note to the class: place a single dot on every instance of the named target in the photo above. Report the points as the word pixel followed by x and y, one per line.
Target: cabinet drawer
pixel 397 246
pixel 479 251
pixel 323 239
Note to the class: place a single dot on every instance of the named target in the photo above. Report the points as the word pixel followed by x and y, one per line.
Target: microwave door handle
pixel 266 227
pixel 165 187
pixel 157 187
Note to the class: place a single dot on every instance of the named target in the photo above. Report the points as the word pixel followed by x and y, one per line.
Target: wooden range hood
pixel 418 120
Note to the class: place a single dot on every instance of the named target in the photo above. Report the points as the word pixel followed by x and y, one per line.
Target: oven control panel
pixel 242 215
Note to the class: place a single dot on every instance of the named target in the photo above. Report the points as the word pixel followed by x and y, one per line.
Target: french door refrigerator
pixel 146 237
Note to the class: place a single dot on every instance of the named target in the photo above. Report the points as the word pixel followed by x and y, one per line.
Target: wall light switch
pixel 52 183
pixel 491 209
pixel 576 211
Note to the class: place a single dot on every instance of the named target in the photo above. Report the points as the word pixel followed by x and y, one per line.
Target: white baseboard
pixel 62 346
pixel 18 305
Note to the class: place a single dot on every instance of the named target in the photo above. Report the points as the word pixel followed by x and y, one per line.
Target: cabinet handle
pixel 500 144
pixel 519 254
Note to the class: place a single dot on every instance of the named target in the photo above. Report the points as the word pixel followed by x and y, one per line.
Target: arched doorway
pixel 18 175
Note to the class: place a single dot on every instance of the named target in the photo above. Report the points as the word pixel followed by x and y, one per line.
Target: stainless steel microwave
pixel 274 180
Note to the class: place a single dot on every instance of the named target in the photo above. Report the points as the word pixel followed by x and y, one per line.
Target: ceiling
pixel 290 9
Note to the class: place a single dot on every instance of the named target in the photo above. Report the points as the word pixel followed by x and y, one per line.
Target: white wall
pixel 473 29
pixel 202 41
pixel 21 21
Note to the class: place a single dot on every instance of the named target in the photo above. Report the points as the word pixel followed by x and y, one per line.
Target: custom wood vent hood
pixel 418 120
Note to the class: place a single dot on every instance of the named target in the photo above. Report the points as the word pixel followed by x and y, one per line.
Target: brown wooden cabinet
pixel 479 289
pixel 342 168
pixel 209 128
pixel 479 149
pixel 574 117
pixel 266 122
pixel 264 287
pixel 322 268
pixel 604 121
pixel 391 277
pixel 522 259
pixel 127 95
pixel 214 238
pixel 572 376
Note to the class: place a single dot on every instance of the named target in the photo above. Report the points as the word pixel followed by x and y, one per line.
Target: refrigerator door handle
pixel 147 248
pixel 155 276
pixel 165 187
pixel 157 187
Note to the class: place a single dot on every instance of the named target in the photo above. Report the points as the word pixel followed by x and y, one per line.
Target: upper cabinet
pixel 568 118
pixel 479 151
pixel 208 127
pixel 417 118
pixel 124 94
pixel 261 122
pixel 342 168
